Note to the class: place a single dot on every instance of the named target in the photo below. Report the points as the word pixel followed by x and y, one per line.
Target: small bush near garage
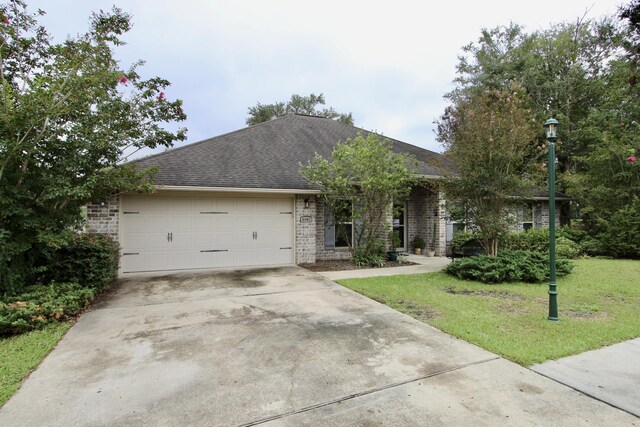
pixel 88 259
pixel 508 266
pixel 40 305
pixel 67 277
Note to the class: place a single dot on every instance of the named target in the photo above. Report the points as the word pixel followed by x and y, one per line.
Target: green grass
pixel 21 354
pixel 599 304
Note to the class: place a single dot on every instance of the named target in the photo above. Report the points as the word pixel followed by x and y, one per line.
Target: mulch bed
pixel 341 265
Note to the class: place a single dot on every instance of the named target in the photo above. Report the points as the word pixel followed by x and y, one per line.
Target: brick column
pixel 305 229
pixel 104 217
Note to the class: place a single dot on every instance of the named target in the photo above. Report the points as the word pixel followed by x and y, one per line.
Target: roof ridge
pixel 287 116
pixel 173 150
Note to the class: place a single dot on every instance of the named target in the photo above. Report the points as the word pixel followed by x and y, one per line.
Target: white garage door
pixel 177 233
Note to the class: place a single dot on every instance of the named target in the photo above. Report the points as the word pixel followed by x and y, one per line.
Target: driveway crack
pixel 366 392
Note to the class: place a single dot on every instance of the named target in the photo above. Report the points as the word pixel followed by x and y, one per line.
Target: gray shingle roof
pixel 267 155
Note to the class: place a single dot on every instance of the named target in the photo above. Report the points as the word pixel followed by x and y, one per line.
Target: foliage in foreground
pixel 491 137
pixel 598 306
pixel 73 275
pixel 585 73
pixel 507 266
pixel 69 116
pixel 89 259
pixel 41 305
pixel 364 174
pixel 568 241
pixel 21 354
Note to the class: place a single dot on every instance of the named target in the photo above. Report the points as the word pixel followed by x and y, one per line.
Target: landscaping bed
pixel 342 265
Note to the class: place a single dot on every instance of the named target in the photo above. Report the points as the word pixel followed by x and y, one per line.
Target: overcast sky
pixel 387 62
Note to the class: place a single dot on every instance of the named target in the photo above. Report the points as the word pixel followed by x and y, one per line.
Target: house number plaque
pixel 305 219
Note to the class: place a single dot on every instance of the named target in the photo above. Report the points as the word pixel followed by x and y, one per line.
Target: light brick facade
pixel 104 217
pixel 305 229
pixel 425 208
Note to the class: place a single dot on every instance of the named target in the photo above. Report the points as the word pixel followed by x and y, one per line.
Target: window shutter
pixel 358 224
pixel 329 228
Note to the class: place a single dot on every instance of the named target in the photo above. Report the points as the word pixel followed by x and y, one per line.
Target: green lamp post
pixel 551 133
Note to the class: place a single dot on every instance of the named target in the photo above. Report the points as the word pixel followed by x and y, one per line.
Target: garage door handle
pixel 255 235
pixel 215 250
pixel 289 247
pixel 169 237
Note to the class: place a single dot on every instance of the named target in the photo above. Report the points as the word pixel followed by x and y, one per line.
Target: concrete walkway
pixel 425 265
pixel 610 374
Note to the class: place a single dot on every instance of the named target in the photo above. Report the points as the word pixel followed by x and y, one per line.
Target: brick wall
pixel 424 208
pixel 103 217
pixel 305 228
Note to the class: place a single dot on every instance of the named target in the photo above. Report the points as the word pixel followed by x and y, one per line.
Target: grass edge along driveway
pixel 598 305
pixel 21 354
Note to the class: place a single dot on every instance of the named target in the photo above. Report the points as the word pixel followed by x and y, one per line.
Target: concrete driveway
pixel 281 347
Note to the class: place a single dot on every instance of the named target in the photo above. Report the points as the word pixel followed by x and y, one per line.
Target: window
pixel 399 224
pixel 526 216
pixel 338 225
pixel 343 217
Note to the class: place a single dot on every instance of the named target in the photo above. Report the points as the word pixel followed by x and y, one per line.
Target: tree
pixel 585 74
pixel 296 105
pixel 68 116
pixel 560 68
pixel 491 138
pixel 366 174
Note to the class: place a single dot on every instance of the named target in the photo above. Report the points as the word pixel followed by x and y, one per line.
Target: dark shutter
pixel 329 228
pixel 358 224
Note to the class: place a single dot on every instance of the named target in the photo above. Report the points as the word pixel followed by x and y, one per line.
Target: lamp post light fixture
pixel 551 133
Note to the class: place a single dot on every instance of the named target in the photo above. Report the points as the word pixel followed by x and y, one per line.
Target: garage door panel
pixel 242 232
pixel 203 222
pixel 180 223
pixel 225 205
pixel 183 205
pixel 158 204
pixel 283 222
pixel 157 223
pixel 245 206
pixel 203 205
pixel 134 223
pixel 224 222
pixel 224 240
pixel 283 205
pixel 138 205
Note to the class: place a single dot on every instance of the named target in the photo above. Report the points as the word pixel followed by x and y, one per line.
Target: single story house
pixel 239 199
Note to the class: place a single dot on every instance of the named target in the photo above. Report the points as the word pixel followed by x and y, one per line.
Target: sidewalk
pixel 610 374
pixel 425 265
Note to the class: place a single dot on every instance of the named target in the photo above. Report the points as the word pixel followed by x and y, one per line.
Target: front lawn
pixel 21 354
pixel 599 304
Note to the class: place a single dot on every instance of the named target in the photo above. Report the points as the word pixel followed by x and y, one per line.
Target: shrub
pixel 40 305
pixel 89 259
pixel 620 237
pixel 508 266
pixel 362 259
pixel 566 248
pixel 534 239
pixel 574 234
pixel 418 242
pixel 537 240
pixel 462 237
